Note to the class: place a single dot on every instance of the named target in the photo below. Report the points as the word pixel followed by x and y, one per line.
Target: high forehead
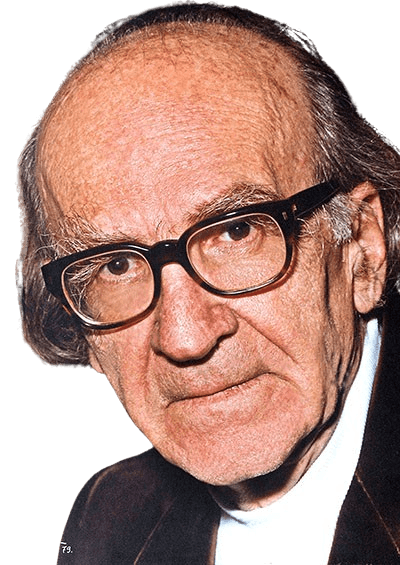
pixel 164 97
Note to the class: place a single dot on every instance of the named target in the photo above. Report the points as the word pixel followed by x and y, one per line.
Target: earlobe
pixel 368 249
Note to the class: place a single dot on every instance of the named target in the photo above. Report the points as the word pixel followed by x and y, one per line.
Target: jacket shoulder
pixel 119 507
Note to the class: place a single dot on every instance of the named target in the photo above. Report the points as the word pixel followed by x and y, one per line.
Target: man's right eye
pixel 127 267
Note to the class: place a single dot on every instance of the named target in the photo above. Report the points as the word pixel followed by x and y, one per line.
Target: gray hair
pixel 345 148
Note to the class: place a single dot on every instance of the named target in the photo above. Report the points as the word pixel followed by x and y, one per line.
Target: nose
pixel 189 321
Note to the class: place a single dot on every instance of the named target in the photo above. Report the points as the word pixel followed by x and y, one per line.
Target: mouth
pixel 211 393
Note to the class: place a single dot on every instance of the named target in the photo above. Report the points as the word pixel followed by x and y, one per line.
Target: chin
pixel 225 468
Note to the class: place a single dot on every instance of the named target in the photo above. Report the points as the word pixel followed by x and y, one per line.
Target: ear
pixel 367 251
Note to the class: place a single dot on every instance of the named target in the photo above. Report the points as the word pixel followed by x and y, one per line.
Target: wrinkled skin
pixel 226 388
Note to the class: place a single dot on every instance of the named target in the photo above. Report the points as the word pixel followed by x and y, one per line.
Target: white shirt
pixel 298 529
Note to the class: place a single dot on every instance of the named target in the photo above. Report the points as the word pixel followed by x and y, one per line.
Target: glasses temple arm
pixel 309 200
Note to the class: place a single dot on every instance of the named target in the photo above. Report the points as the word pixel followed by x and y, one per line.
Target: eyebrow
pixel 239 195
pixel 75 233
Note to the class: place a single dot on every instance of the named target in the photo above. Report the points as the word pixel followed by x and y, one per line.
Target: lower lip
pixel 227 393
pixel 240 401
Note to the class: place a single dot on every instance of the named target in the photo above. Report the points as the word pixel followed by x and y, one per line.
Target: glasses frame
pixel 286 213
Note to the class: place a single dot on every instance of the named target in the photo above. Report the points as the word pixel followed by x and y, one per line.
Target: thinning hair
pixel 344 147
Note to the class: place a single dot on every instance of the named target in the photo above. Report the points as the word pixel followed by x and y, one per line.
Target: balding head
pixel 163 95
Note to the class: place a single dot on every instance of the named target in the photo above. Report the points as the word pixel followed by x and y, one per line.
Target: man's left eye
pixel 118 266
pixel 236 231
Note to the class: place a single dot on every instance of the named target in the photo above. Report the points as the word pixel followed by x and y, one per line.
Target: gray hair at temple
pixel 345 148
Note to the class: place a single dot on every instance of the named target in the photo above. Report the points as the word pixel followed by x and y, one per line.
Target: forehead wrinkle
pixel 275 91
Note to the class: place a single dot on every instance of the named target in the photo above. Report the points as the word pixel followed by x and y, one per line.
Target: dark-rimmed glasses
pixel 234 253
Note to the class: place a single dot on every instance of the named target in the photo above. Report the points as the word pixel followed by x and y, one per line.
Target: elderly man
pixel 212 225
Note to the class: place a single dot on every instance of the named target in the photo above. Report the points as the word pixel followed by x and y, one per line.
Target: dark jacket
pixel 145 511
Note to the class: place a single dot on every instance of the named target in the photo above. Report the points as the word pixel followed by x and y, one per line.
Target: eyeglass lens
pixel 238 254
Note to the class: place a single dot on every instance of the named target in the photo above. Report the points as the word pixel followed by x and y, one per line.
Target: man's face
pixel 224 387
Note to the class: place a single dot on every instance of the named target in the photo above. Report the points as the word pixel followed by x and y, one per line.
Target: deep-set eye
pixel 236 231
pixel 128 267
pixel 118 266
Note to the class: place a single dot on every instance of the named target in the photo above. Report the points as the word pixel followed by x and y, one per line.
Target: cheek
pixel 310 320
pixel 123 356
pixel 291 319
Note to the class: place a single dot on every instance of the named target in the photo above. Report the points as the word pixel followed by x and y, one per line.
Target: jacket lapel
pixel 187 533
pixel 368 529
